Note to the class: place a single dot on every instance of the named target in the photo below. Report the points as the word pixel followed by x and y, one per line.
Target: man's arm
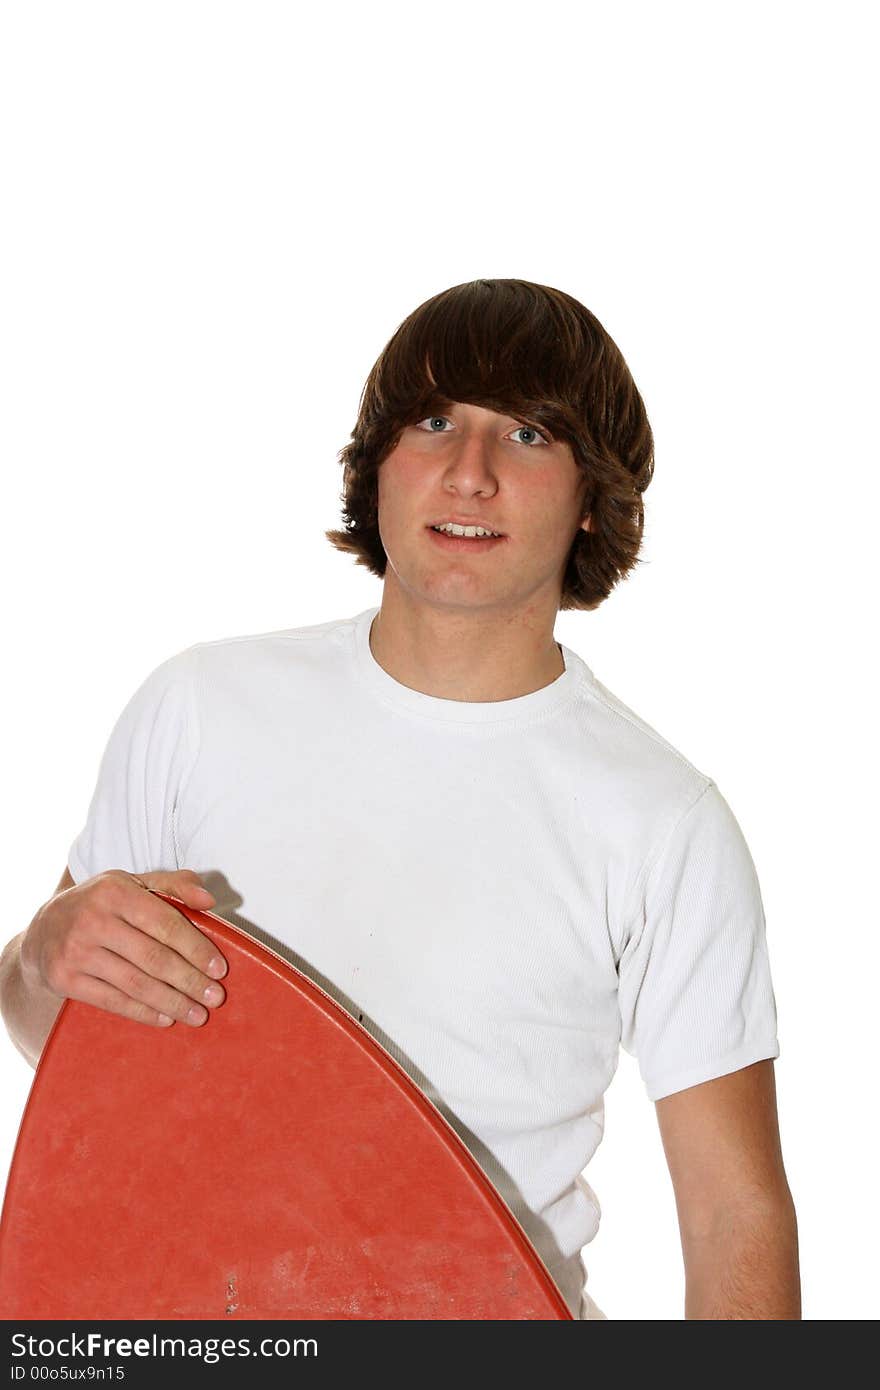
pixel 735 1210
pixel 28 1013
pixel 113 942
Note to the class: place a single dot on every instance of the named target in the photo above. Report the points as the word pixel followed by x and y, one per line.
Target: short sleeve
pixel 695 993
pixel 131 821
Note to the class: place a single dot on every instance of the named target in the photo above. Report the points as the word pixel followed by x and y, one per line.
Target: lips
pixel 473 545
pixel 471 521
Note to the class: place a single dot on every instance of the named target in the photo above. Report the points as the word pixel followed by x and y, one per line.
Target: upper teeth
pixel 464 530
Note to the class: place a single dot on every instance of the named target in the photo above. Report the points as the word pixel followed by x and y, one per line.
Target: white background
pixel 215 216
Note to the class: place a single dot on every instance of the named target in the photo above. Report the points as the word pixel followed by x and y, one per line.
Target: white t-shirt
pixel 503 893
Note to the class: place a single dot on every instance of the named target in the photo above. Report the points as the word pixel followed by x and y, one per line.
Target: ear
pixel 587 523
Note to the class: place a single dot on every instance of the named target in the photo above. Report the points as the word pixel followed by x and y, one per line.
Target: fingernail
pixel 197 1014
pixel 216 967
pixel 165 1020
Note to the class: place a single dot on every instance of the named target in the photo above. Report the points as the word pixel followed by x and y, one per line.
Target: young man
pixel 440 814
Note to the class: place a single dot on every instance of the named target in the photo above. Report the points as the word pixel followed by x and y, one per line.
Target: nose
pixel 470 466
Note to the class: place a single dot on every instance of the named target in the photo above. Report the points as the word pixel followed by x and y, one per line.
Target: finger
pixel 144 989
pixel 182 875
pixel 179 883
pixel 195 896
pixel 105 996
pixel 184 884
pixel 171 927
pixel 146 956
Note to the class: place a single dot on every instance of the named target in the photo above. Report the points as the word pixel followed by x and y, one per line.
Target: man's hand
pixel 111 942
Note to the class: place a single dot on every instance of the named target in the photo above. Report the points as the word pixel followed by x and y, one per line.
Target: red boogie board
pixel 276 1163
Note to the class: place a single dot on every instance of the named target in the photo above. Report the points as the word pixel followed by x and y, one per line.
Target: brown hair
pixel 528 351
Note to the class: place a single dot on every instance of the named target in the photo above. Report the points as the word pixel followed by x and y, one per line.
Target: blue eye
pixel 534 430
pixel 434 419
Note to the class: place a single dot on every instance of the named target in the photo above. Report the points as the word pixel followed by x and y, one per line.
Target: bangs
pixel 506 345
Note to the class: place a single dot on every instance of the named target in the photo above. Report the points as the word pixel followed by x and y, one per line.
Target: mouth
pixel 464 544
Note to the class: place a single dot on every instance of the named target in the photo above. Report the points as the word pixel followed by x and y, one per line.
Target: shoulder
pixel 643 779
pixel 244 646
pixel 285 637
pixel 244 664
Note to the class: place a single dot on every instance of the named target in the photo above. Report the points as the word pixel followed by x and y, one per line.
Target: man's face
pixel 474 463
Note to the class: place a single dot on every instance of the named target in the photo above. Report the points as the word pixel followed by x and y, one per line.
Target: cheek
pixel 399 483
pixel 404 465
pixel 543 499
pixel 401 479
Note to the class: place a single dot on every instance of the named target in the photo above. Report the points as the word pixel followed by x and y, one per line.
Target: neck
pixel 460 654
